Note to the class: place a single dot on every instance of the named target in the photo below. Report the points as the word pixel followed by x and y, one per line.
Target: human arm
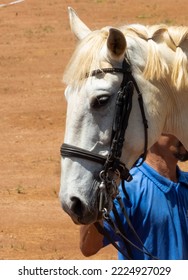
pixel 91 241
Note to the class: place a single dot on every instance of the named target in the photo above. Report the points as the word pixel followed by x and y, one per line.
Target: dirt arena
pixel 35 46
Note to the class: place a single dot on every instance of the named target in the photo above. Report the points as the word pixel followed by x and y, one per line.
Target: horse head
pixel 103 66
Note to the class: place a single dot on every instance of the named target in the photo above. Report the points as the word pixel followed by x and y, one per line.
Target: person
pixel 156 205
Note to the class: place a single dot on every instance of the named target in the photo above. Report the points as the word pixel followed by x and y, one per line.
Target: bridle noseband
pixel 111 162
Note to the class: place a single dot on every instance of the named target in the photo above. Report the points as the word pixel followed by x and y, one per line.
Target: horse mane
pixel 157 66
pixel 81 65
pixel 178 42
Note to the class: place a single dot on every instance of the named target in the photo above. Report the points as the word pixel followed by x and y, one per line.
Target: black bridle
pixel 112 161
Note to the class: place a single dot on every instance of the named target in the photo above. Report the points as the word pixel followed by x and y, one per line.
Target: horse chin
pixel 90 217
pixel 86 220
pixel 86 217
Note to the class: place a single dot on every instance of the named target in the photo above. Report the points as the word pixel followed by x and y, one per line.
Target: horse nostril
pixel 77 206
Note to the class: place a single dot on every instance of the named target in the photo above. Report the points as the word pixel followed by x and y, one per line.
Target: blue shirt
pixel 158 211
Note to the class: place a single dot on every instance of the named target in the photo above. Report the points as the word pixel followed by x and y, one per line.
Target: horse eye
pixel 100 101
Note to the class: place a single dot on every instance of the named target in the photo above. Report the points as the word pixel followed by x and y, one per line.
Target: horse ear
pixel 116 43
pixel 77 26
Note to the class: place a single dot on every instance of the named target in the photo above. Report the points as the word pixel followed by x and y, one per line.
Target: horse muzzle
pixel 87 211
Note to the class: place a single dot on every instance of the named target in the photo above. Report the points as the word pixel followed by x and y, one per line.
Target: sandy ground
pixel 35 46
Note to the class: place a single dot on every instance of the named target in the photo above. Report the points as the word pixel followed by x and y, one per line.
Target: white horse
pixel 157 56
